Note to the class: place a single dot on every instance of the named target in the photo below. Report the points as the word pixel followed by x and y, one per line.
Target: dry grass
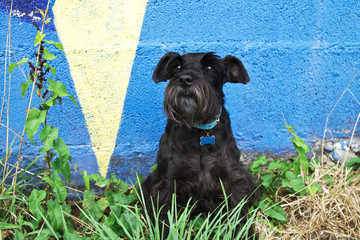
pixel 333 213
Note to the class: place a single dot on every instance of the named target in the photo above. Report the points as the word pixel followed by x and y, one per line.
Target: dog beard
pixel 188 106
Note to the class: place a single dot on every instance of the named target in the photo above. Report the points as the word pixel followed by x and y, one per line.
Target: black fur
pixel 194 96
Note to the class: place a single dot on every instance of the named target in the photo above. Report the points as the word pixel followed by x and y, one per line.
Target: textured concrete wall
pixel 300 55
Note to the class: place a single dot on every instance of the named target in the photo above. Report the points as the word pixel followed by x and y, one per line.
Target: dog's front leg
pixel 239 194
pixel 157 199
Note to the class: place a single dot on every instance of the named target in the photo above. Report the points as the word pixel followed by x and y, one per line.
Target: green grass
pixel 116 214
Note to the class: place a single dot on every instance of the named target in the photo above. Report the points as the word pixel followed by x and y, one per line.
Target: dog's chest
pixel 184 159
pixel 204 166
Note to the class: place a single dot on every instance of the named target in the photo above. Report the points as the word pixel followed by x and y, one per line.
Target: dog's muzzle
pixel 189 100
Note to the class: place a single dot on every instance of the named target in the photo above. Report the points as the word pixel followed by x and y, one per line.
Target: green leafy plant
pixel 353 163
pixel 281 178
pixel 51 93
pixel 116 209
pixel 48 210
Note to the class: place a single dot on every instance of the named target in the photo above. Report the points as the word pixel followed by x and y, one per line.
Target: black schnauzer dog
pixel 198 158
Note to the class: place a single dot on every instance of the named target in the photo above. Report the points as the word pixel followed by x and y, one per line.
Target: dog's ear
pixel 165 67
pixel 235 70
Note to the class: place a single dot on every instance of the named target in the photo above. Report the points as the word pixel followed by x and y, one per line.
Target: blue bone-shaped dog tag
pixel 207 140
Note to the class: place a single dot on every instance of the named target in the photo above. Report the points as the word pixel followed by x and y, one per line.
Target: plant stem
pixel 328 117
pixel 7 50
pixel 31 97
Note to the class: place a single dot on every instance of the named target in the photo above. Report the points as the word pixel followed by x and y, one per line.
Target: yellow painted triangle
pixel 100 38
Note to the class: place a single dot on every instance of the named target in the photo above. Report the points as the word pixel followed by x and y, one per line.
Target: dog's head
pixel 194 93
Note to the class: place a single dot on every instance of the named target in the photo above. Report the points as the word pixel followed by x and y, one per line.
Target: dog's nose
pixel 185 81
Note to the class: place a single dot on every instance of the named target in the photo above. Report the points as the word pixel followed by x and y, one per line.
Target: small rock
pixel 329 146
pixel 355 147
pixel 340 154
pixel 337 155
pixel 341 145
pixel 324 159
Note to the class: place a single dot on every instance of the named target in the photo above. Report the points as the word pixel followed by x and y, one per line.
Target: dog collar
pixel 209 125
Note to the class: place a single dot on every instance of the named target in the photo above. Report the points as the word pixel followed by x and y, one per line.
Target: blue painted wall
pixel 300 55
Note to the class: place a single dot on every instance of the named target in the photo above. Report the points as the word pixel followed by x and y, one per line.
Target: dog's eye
pixel 209 67
pixel 179 67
